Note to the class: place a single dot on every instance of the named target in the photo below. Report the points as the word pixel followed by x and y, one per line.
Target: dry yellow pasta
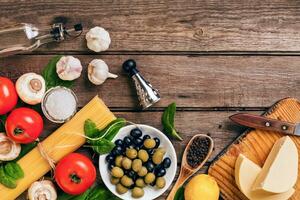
pixel 63 141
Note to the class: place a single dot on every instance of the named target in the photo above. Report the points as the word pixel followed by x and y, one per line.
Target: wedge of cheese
pixel 280 171
pixel 246 172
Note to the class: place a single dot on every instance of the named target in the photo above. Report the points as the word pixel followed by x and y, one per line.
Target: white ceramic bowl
pixel 150 192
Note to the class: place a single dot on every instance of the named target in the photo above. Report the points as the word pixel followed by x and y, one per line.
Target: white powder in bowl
pixel 60 104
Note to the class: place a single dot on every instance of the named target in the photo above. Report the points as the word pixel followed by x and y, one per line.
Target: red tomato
pixel 75 173
pixel 24 125
pixel 8 95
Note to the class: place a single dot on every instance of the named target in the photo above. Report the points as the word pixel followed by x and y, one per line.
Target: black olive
pixel 110 158
pixel 136 133
pixel 133 175
pixel 146 137
pixel 127 141
pixel 150 151
pixel 150 166
pixel 161 172
pixel 110 166
pixel 153 183
pixel 117 150
pixel 157 142
pixel 138 142
pixel 166 163
pixel 119 142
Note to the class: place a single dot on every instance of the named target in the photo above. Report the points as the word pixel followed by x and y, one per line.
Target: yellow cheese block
pixel 280 170
pixel 246 172
pixel 60 143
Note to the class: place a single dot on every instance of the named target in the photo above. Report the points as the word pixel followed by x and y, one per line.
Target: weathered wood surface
pixel 192 82
pixel 173 25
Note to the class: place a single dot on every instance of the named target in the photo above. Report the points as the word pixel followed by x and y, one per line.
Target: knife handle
pixel 260 122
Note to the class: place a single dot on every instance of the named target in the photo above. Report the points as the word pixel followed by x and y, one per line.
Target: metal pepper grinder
pixel 146 93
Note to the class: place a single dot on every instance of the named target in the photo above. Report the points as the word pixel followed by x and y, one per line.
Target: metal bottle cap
pixel 147 95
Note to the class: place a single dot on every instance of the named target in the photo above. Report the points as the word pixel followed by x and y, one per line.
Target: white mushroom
pixel 98 72
pixel 42 190
pixel 68 68
pixel 31 88
pixel 9 150
pixel 98 39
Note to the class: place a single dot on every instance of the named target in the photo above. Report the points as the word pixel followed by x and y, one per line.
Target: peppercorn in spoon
pixel 195 155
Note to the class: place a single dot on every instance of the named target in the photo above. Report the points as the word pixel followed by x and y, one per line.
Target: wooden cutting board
pixel 256 145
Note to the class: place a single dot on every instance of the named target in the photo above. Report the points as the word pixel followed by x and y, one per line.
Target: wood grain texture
pixel 256 146
pixel 193 82
pixel 176 25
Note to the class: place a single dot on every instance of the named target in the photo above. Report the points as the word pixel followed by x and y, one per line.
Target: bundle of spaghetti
pixel 66 139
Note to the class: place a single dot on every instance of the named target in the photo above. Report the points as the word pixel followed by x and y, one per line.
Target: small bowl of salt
pixel 59 104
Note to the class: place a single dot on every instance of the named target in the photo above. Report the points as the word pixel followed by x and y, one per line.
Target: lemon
pixel 202 187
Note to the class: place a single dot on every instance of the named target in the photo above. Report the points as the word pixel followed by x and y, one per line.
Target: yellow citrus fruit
pixel 202 187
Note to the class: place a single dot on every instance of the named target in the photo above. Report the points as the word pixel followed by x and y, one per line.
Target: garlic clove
pixel 9 150
pixel 98 39
pixel 98 72
pixel 42 190
pixel 31 87
pixel 68 68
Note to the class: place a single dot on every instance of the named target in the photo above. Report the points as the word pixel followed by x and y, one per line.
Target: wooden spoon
pixel 186 170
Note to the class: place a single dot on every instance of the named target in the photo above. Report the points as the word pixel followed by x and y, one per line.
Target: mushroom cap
pixel 31 88
pixel 9 150
pixel 42 190
pixel 98 39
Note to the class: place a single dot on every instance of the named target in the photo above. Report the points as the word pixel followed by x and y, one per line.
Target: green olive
pixel 114 180
pixel 140 183
pixel 126 163
pixel 160 182
pixel 131 153
pixel 121 189
pixel 143 171
pixel 118 161
pixel 143 155
pixel 117 172
pixel 136 165
pixel 149 143
pixel 126 181
pixel 137 192
pixel 158 156
pixel 149 178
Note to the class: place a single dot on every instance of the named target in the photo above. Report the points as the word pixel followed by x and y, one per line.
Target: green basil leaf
pixel 13 170
pixel 101 192
pixel 65 196
pixel 2 122
pixel 90 129
pixel 5 180
pixel 114 128
pixel 168 121
pixel 102 146
pixel 179 194
pixel 51 77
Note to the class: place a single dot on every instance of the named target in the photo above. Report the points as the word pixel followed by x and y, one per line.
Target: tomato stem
pixel 75 178
pixel 18 131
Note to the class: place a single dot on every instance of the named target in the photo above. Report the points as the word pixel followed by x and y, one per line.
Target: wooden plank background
pixel 213 58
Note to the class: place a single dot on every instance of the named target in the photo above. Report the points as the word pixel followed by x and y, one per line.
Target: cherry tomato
pixel 24 125
pixel 8 95
pixel 75 173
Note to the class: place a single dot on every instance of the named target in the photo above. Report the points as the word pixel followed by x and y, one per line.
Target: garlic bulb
pixel 68 68
pixel 31 87
pixel 9 150
pixel 98 72
pixel 98 39
pixel 42 190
